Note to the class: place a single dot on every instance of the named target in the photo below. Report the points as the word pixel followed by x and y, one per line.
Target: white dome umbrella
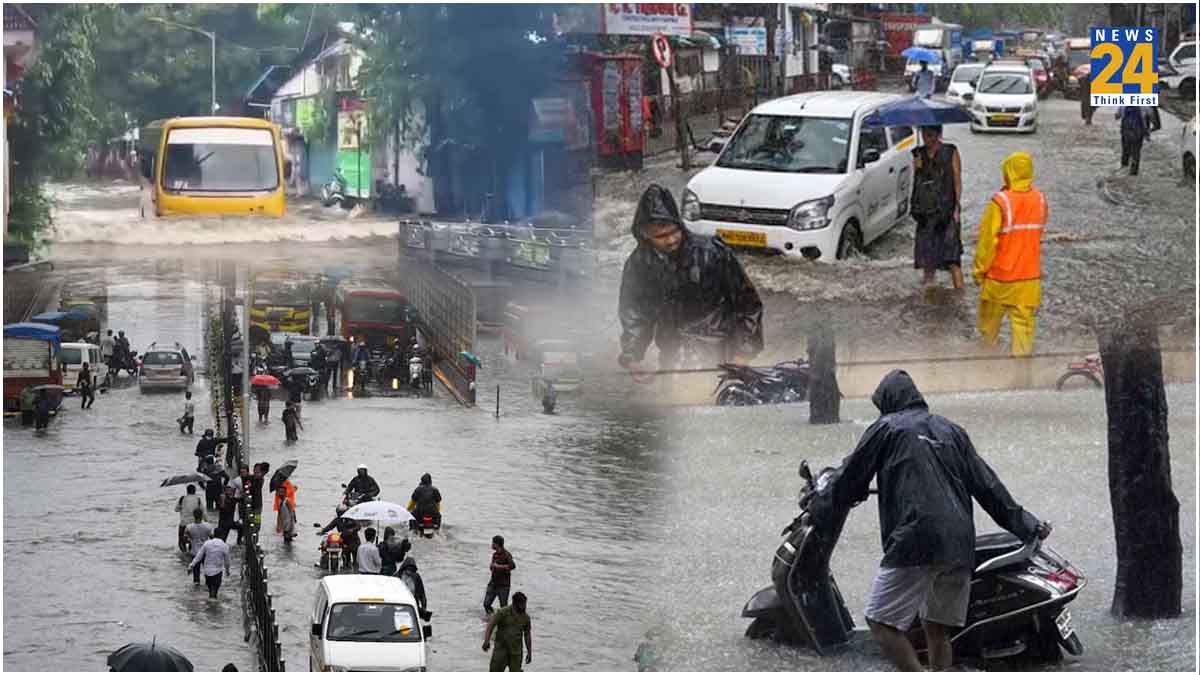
pixel 384 512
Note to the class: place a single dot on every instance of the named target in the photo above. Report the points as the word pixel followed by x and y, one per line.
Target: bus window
pixel 220 159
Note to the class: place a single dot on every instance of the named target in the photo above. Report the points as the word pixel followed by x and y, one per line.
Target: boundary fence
pixel 258 612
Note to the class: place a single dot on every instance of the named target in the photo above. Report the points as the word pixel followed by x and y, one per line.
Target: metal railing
pixel 550 254
pixel 446 307
pixel 259 618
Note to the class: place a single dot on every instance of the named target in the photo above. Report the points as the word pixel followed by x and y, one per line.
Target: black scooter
pixel 785 382
pixel 1019 593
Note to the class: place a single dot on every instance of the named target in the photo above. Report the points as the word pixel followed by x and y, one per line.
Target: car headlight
pixel 978 107
pixel 1072 78
pixel 811 215
pixel 1029 107
pixel 691 206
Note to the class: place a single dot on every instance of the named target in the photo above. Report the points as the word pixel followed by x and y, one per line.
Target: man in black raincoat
pixel 928 471
pixel 686 292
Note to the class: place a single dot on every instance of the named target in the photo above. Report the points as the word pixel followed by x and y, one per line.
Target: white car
pixel 1180 70
pixel 1187 148
pixel 1005 100
pixel 963 81
pixel 366 622
pixel 803 176
pixel 165 368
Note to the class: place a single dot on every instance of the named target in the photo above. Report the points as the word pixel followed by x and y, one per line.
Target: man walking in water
pixel 502 567
pixel 511 625
pixel 214 555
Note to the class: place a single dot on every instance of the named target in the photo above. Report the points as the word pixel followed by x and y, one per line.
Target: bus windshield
pixel 375 310
pixel 220 159
pixel 281 295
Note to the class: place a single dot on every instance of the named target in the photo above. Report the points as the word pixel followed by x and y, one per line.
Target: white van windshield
pixel 788 144
pixel 373 622
pixel 71 356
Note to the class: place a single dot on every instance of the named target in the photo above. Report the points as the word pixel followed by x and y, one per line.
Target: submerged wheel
pixel 850 244
pixel 760 628
pixel 735 396
pixel 334 562
pixel 1087 375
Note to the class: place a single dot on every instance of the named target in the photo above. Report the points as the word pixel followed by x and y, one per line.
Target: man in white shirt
pixel 214 555
pixel 184 507
pixel 369 559
pixel 189 415
pixel 925 83
pixel 198 533
pixel 106 348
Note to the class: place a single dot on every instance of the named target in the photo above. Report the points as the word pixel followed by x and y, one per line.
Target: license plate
pixel 1064 624
pixel 1003 118
pixel 743 238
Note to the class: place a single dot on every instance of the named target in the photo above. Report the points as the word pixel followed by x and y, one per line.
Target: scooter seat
pixel 995 544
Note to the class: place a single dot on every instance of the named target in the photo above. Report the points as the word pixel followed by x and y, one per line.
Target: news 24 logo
pixel 1124 70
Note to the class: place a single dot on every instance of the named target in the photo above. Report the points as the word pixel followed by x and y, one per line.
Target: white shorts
pixel 938 593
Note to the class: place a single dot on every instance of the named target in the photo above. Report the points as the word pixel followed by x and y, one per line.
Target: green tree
pixel 457 79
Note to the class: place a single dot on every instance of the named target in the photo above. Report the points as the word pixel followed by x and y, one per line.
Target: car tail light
pixel 1064 579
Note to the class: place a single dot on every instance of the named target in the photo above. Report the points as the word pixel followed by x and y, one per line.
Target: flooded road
pixel 1097 255
pixel 576 496
pixel 734 485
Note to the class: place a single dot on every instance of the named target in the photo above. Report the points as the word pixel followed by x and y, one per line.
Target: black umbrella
pixel 282 473
pixel 183 478
pixel 139 657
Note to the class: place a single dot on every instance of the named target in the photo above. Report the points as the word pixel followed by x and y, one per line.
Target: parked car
pixel 963 80
pixel 1005 100
pixel 73 355
pixel 840 76
pixel 366 622
pixel 165 368
pixel 804 176
pixel 1187 148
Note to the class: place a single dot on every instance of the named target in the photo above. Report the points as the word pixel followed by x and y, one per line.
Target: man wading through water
pixel 685 292
pixel 937 188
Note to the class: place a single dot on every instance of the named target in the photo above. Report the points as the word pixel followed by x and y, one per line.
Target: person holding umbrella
pixel 925 82
pixel 285 506
pixel 937 188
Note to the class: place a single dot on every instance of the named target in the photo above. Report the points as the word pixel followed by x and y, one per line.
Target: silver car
pixel 165 368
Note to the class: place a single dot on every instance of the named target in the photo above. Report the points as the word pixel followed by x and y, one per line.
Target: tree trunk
pixel 1149 578
pixel 824 397
pixel 771 20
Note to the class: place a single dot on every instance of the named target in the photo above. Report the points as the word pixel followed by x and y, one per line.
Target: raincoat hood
pixel 896 392
pixel 656 206
pixel 1018 172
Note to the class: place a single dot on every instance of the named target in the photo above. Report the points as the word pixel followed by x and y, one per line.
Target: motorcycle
pixel 335 191
pixel 130 364
pixel 1019 593
pixel 416 373
pixel 352 498
pixel 785 382
pixel 331 551
pixel 426 525
pixel 1090 369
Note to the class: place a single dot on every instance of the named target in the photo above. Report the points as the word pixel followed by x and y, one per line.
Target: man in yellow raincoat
pixel 1008 257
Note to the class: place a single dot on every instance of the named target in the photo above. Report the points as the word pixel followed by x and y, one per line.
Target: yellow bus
pixel 280 302
pixel 212 166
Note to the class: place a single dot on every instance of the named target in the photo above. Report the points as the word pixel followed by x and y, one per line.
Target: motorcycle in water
pixel 426 524
pixel 785 382
pixel 331 551
pixel 336 191
pixel 1019 593
pixel 1090 369
pixel 352 498
pixel 416 374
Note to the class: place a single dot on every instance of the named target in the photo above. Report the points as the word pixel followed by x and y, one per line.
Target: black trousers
pixel 213 583
pixel 187 423
pixel 1131 153
pixel 86 397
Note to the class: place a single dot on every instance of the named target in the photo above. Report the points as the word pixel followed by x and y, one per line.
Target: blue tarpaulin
pixel 39 331
pixel 69 315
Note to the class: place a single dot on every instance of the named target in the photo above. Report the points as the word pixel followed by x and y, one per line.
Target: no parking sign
pixel 661 47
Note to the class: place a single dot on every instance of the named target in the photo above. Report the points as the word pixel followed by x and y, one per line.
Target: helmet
pixel 361 467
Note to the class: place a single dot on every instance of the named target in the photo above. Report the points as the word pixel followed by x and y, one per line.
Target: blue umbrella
pixel 918 112
pixel 922 54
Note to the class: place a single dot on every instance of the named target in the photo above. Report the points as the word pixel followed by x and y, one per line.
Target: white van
pixel 366 622
pixel 73 355
pixel 804 176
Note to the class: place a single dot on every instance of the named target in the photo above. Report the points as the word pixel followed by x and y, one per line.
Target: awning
pixel 37 331
pixel 69 315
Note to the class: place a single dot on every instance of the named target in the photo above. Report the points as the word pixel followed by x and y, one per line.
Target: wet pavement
pixel 734 485
pixel 1098 257
pixel 575 494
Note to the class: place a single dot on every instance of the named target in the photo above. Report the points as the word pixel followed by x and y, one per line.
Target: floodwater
pixel 734 485
pixel 90 555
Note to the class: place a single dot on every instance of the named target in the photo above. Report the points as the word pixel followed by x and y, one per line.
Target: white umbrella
pixel 385 512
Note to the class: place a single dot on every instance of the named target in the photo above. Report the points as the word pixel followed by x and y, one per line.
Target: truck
pixel 280 302
pixel 31 360
pixel 374 313
pixel 944 38
pixel 1079 55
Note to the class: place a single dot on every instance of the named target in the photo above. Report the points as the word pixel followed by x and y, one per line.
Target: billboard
pixel 646 19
